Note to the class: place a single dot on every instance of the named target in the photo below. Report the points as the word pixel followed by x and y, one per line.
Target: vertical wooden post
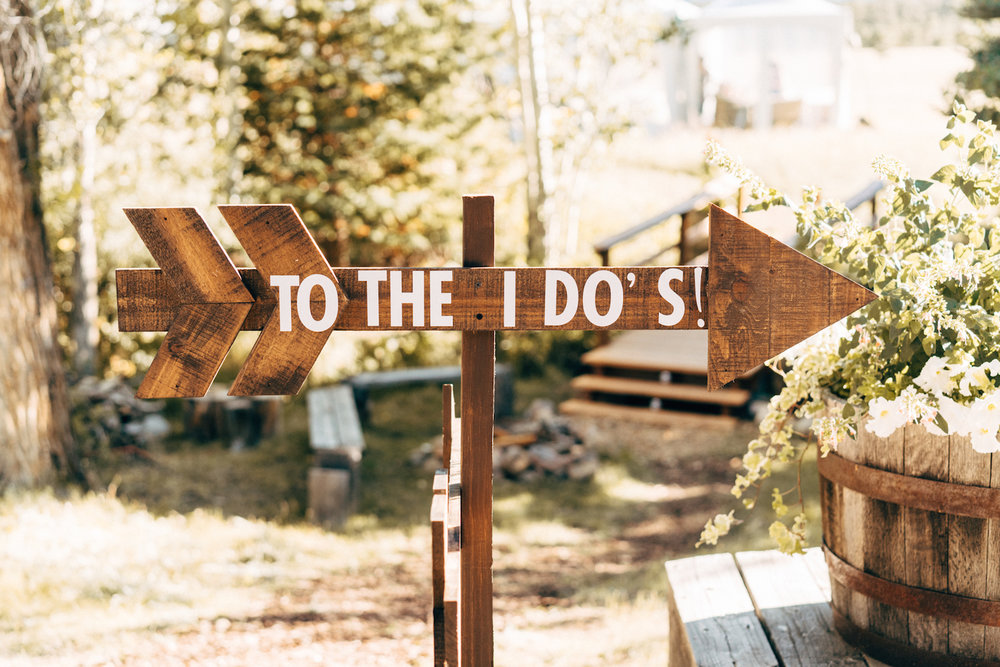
pixel 478 360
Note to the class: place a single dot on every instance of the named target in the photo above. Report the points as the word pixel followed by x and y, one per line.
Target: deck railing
pixel 694 209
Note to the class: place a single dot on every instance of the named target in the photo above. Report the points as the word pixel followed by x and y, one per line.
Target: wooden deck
pixel 672 351
pixel 657 377
pixel 754 608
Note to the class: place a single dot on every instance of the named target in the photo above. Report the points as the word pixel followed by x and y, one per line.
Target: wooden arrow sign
pixel 757 297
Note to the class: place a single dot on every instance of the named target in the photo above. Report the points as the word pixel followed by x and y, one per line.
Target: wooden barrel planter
pixel 911 532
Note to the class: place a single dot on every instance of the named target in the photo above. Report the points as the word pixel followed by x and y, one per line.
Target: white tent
pixel 759 62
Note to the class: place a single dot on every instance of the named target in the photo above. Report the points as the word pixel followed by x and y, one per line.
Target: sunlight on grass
pixel 77 572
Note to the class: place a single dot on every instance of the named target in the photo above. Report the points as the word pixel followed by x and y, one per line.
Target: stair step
pixel 677 392
pixel 585 408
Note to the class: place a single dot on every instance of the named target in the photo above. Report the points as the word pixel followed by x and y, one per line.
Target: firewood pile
pixel 538 444
pixel 106 416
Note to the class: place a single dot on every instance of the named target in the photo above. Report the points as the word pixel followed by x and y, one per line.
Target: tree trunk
pixel 534 99
pixel 83 318
pixel 34 416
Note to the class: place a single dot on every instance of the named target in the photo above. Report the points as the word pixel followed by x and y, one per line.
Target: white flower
pixel 985 412
pixel 984 439
pixel 936 376
pixel 974 378
pixel 956 414
pixel 886 417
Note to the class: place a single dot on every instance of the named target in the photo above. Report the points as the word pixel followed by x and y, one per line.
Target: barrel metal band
pixel 920 600
pixel 897 653
pixel 925 494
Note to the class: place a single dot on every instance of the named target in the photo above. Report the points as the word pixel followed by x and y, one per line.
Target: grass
pixel 204 550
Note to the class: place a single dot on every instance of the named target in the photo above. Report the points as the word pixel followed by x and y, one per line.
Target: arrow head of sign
pixel 280 246
pixel 764 297
pixel 209 299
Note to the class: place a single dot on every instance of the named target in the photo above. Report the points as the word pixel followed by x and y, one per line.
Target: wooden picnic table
pixel 755 608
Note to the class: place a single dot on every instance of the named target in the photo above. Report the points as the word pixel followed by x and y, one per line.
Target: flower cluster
pixel 927 352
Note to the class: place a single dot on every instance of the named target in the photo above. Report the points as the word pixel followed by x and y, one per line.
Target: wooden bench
pixel 364 383
pixel 754 608
pixel 336 438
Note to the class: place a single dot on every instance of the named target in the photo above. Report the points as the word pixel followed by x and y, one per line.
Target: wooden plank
pixel 478 359
pixel 794 610
pixel 967 548
pixel 453 559
pixel 333 420
pixel 467 299
pixel 439 517
pixel 195 267
pixel 718 626
pixel 203 289
pixel 992 638
pixel 677 352
pixel 330 496
pixel 884 535
pixel 926 547
pixel 585 408
pixel 855 524
pixel 764 297
pixel 739 298
pixel 680 392
pixel 278 243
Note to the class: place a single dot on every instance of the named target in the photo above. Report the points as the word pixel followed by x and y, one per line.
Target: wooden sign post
pixel 756 298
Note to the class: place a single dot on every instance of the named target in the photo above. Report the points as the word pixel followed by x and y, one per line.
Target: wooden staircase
pixel 661 376
pixel 650 377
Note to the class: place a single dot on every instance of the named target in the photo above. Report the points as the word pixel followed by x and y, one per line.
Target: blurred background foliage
pixel 372 117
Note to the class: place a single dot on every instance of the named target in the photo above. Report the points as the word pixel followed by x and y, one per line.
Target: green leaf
pixel 945 174
pixel 921 185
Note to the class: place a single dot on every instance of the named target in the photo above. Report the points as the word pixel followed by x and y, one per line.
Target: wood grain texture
pixel 439 546
pixel 278 243
pixel 926 544
pixel 476 298
pixel 967 547
pixel 918 547
pixel 991 648
pixel 794 609
pixel 205 293
pixel 765 297
pixel 884 534
pixel 478 365
pixel 718 626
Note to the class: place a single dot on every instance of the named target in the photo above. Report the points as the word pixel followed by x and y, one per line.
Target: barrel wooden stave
pixel 919 548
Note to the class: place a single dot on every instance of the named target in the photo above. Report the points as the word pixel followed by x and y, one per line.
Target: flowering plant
pixel 926 352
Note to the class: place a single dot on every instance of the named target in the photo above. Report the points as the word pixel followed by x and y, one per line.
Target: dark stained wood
pixel 478 360
pixel 205 292
pixel 764 297
pixel 739 298
pixel 143 302
pixel 278 243
pixel 198 270
pixel 453 558
pixel 439 517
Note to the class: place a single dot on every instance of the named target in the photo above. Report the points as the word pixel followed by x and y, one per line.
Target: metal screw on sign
pixel 757 297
